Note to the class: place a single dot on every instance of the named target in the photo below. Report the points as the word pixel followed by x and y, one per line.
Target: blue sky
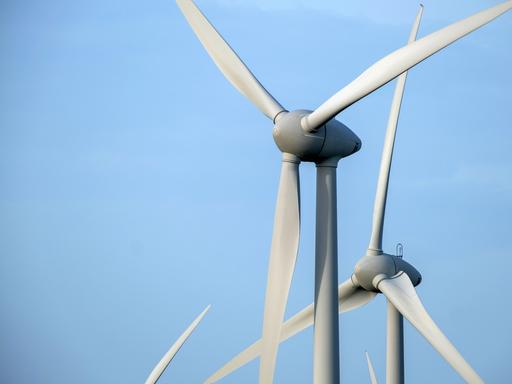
pixel 138 186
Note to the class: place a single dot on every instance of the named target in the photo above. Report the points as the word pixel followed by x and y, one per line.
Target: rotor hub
pixel 331 140
pixel 370 270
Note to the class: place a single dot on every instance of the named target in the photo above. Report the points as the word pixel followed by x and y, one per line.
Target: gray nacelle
pixel 332 140
pixel 369 267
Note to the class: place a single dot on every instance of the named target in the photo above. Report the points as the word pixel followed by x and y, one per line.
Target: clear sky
pixel 137 186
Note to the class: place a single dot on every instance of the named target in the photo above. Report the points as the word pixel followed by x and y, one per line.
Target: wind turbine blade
pixel 162 364
pixel 398 62
pixel 379 207
pixel 228 62
pixel 400 291
pixel 371 371
pixel 350 297
pixel 283 254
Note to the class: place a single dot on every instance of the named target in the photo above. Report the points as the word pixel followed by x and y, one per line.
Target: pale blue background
pixel 137 186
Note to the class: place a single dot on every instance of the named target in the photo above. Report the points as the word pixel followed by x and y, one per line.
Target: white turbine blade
pixel 228 62
pixel 162 364
pixel 398 62
pixel 379 207
pixel 371 371
pixel 400 291
pixel 350 297
pixel 283 254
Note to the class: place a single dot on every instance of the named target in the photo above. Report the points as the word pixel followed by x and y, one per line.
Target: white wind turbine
pixel 351 295
pixel 315 136
pixel 376 272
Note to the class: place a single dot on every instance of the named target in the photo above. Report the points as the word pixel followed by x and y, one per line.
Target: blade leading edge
pixel 283 254
pixel 379 208
pixel 398 62
pixel 162 364
pixel 371 371
pixel 400 291
pixel 228 61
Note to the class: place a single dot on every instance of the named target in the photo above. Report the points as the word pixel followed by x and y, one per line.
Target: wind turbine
pixel 315 136
pixel 351 291
pixel 167 358
pixel 351 295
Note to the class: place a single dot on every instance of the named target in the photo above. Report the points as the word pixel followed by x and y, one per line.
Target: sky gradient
pixel 138 186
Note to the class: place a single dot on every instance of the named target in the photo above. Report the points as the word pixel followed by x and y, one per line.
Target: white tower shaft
pixel 326 366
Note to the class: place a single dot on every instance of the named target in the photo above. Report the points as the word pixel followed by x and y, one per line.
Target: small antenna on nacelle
pixel 400 250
